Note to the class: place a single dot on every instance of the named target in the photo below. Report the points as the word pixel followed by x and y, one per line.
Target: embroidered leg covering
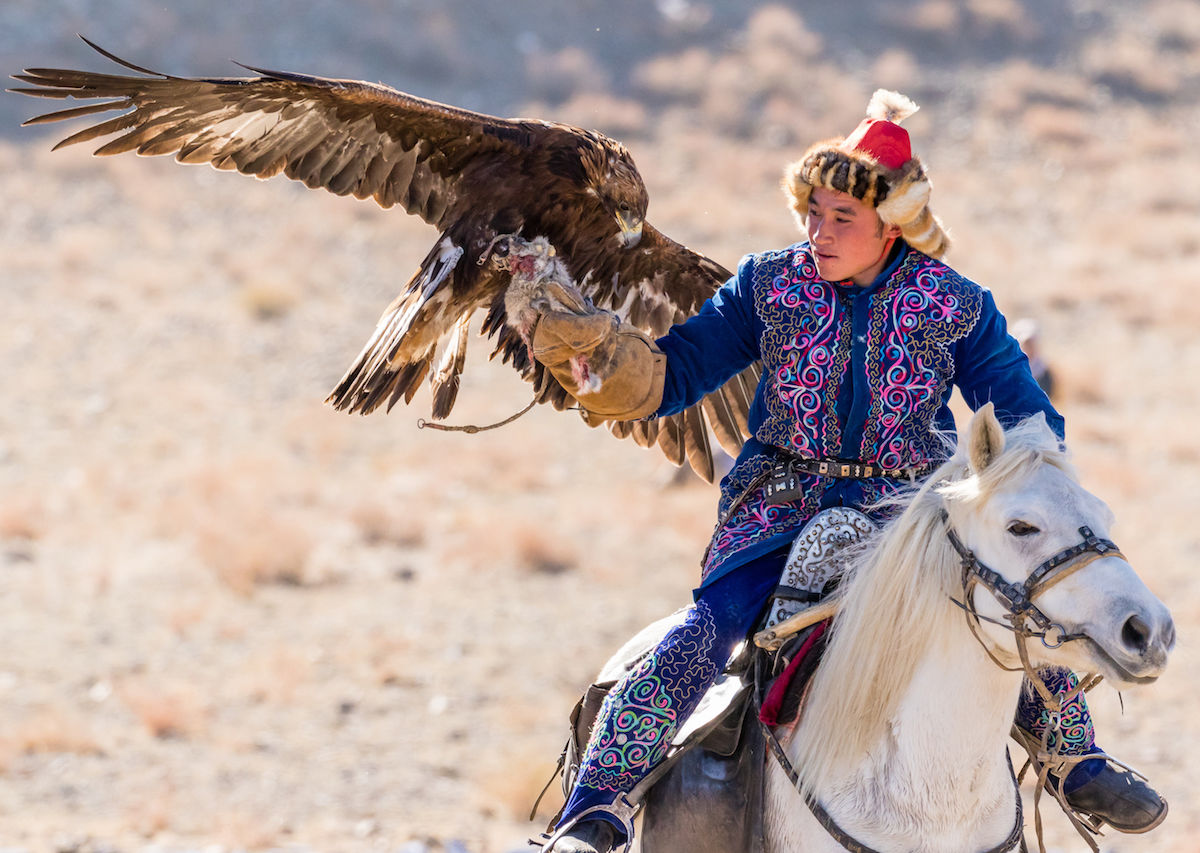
pixel 643 712
pixel 1077 735
pixel 1100 790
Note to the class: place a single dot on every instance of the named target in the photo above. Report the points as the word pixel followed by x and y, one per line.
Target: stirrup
pixel 620 808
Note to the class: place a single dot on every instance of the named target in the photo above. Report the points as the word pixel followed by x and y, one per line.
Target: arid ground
pixel 234 619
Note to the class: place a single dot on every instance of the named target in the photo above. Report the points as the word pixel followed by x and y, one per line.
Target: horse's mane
pixel 895 605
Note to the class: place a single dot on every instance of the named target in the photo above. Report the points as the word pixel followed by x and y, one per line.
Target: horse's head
pixel 1039 538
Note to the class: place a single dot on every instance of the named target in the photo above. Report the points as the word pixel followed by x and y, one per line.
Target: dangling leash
pixel 471 429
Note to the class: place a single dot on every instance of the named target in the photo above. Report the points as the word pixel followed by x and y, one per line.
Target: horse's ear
pixel 985 438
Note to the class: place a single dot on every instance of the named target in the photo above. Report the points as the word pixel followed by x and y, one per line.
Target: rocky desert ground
pixel 234 619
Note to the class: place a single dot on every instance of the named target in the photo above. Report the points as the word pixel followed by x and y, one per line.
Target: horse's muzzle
pixel 1138 646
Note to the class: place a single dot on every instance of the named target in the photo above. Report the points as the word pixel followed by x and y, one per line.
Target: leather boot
pixel 1119 798
pixel 587 836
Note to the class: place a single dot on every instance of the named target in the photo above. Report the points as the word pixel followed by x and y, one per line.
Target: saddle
pixel 707 793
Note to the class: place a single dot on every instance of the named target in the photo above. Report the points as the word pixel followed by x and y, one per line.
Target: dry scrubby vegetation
pixel 234 617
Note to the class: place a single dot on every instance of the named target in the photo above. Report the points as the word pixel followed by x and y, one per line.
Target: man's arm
pixel 990 366
pixel 711 347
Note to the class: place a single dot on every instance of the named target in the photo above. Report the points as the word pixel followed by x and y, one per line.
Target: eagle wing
pixel 438 162
pixel 346 136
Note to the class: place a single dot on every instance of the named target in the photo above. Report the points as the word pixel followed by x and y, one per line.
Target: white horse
pixel 903 734
pixel 902 739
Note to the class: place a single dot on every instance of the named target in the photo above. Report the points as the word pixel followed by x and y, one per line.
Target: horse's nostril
pixel 1136 634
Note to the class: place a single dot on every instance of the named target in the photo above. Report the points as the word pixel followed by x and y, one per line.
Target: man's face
pixel 848 239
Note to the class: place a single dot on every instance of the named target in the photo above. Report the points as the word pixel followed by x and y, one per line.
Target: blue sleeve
pixel 990 366
pixel 716 344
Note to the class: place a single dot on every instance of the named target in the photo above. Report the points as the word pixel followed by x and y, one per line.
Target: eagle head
pixel 614 179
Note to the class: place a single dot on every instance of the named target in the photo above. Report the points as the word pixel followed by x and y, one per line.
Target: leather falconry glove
pixel 614 370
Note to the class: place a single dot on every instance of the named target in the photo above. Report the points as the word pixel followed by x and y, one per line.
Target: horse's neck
pixel 939 779
pixel 949 736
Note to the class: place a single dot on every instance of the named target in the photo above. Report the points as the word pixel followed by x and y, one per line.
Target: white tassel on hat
pixel 890 106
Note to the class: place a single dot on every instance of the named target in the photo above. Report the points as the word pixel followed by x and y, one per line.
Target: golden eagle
pixel 475 177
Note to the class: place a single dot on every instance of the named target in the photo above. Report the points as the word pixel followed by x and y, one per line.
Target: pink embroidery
pixel 804 357
pixel 914 322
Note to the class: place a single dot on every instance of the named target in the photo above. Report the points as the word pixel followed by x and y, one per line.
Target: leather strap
pixel 787 476
pixel 848 841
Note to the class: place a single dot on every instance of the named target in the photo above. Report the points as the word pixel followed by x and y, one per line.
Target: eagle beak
pixel 631 231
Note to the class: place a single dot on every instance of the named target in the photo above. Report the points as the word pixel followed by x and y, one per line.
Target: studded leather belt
pixel 784 482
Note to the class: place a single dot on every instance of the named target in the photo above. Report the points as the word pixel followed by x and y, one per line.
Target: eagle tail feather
pixel 670 439
pixel 724 422
pixel 406 383
pixel 739 391
pixel 645 433
pixel 396 358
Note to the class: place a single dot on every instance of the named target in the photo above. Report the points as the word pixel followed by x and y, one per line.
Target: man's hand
pixel 613 369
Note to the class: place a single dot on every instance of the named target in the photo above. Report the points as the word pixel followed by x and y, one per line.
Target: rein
pixel 848 841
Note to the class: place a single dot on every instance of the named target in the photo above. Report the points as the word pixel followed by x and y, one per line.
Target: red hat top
pixel 881 139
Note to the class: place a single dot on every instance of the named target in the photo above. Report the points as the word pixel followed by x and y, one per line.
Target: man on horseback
pixel 862 333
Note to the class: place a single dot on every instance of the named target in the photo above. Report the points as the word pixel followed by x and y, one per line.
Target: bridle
pixel 1025 620
pixel 1016 598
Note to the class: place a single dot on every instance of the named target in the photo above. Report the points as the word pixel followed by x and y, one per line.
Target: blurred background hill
pixel 231 618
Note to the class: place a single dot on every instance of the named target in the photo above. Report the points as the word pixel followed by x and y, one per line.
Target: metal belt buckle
pixel 783 486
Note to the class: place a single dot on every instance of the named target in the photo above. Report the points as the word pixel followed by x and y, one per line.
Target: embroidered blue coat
pixel 852 373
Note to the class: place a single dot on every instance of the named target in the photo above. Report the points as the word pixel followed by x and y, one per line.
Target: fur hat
pixel 875 164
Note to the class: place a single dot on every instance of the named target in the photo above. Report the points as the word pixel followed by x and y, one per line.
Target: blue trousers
pixel 643 712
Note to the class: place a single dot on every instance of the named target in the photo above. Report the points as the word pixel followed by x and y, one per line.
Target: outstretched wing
pixel 469 174
pixel 346 136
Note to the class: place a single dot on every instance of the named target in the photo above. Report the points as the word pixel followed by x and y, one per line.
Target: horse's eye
pixel 1022 528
